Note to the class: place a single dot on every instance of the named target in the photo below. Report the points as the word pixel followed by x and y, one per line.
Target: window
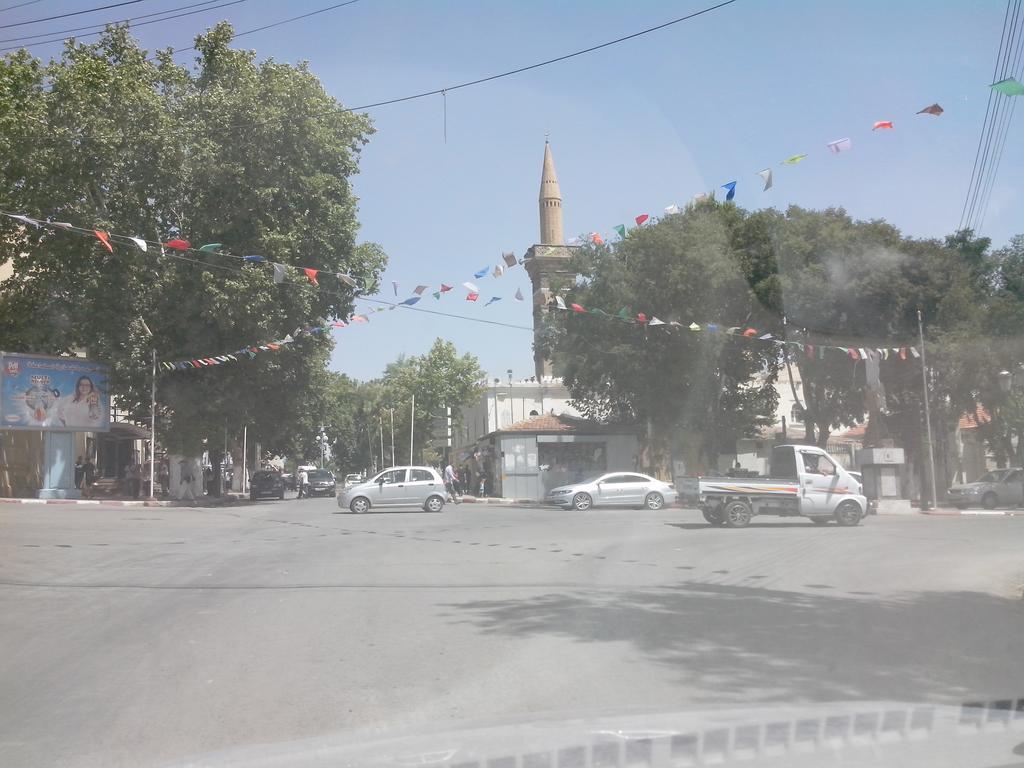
pixel 391 476
pixel 818 464
pixel 614 479
pixel 420 476
pixel 783 463
pixel 635 479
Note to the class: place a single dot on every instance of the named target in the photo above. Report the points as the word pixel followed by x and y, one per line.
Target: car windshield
pixel 379 369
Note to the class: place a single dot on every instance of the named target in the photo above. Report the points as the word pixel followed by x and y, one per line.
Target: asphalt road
pixel 143 636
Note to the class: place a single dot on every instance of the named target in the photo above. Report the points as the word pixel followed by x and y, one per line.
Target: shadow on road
pixel 738 643
pixel 709 527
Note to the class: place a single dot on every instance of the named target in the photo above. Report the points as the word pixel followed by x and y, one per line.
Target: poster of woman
pixel 54 393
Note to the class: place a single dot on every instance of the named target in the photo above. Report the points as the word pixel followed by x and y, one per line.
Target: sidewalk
pixel 953 512
pixel 216 501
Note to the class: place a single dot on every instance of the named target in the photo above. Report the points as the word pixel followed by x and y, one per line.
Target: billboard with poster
pixel 66 394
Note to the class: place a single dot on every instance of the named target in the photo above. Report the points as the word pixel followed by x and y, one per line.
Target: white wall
pixel 513 406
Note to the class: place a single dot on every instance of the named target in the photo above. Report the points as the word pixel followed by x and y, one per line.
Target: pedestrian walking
pixel 450 479
pixel 303 484
pixel 88 478
pixel 78 472
pixel 187 479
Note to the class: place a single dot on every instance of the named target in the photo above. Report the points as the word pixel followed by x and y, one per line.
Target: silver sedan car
pixel 417 487
pixel 622 489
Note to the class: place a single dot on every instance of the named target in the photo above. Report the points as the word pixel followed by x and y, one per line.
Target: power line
pixel 140 24
pixel 555 60
pixel 73 13
pixel 19 5
pixel 100 27
pixel 283 21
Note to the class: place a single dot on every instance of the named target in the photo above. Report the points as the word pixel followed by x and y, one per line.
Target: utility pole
pixel 380 423
pixel 511 407
pixel 245 457
pixel 393 458
pixel 927 410
pixel 152 429
pixel 412 425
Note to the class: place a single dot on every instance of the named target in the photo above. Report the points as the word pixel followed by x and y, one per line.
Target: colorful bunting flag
pixel 499 270
pixel 104 238
pixel 436 294
pixel 641 219
pixel 279 273
pixel 882 125
pixel 655 321
pixel 731 187
pixel 510 259
pixel 559 302
pixel 641 318
pixel 481 272
pixel 419 289
pixel 934 109
pixel 411 300
pixel 254 259
pixel 766 176
pixel 1008 87
pixel 492 300
pixel 624 313
pixel 519 294
pixel 347 280
pixel 178 245
pixel 621 229
pixel 444 288
pixel 311 275
pixel 140 243
pixel 471 288
pixel 578 309
pixel 210 247
pixel 671 209
pixel 793 160
pixel 26 219
pixel 472 296
pixel 394 286
pixel 596 239
pixel 839 145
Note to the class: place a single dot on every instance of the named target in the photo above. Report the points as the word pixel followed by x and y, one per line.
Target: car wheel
pixel 359 505
pixel 434 504
pixel 989 500
pixel 582 501
pixel 713 515
pixel 737 514
pixel 848 514
pixel 654 501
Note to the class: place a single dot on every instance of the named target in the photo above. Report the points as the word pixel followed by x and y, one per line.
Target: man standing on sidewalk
pixel 450 480
pixel 303 482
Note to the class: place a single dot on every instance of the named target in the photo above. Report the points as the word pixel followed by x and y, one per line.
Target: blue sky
pixel 634 127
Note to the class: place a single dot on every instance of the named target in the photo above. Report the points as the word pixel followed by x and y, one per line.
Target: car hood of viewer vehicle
pixel 856 733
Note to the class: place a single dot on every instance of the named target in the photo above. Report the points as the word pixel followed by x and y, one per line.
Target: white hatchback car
pixel 420 487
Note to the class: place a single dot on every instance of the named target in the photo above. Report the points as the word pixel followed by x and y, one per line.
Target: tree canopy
pixel 254 155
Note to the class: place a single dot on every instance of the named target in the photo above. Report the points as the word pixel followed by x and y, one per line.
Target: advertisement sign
pixel 68 394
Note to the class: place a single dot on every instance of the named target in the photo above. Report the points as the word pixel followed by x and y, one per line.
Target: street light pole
pixel 392 410
pixel 412 425
pixel 380 424
pixel 152 431
pixel 927 410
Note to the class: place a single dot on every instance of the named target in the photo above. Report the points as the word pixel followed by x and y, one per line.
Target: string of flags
pixel 811 351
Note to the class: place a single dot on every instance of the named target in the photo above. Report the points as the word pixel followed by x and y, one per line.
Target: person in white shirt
pixel 303 482
pixel 450 480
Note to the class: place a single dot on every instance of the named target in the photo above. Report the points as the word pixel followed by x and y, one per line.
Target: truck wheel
pixel 989 500
pixel 848 514
pixel 713 515
pixel 737 514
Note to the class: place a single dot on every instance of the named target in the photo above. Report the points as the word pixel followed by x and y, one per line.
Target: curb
pixel 973 512
pixel 227 501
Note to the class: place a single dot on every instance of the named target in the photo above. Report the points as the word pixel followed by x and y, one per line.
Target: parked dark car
pixel 321 483
pixel 266 484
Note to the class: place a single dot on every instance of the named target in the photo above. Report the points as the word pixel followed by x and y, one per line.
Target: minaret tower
pixel 547 262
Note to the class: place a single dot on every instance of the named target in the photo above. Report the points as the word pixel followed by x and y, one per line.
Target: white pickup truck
pixel 804 481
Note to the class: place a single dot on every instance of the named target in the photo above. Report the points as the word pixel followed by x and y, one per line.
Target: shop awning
pixel 122 430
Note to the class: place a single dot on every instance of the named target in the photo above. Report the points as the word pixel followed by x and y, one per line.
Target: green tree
pixel 440 378
pixel 254 155
pixel 693 393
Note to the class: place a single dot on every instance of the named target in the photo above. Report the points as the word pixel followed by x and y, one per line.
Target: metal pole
pixel 927 410
pixel 412 425
pixel 392 433
pixel 245 456
pixel 380 423
pixel 152 431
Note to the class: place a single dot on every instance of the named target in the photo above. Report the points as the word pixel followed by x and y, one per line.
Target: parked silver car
pixel 420 487
pixel 622 489
pixel 1000 487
